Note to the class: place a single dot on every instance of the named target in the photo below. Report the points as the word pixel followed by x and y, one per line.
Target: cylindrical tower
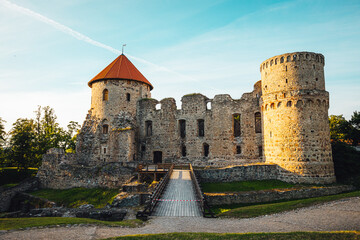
pixel 295 106
pixel 117 88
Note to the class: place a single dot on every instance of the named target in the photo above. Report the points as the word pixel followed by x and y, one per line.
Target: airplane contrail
pixel 79 35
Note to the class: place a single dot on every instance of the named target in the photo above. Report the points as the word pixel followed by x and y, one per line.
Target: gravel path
pixel 333 216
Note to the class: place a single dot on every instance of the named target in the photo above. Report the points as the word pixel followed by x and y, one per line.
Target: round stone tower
pixel 118 88
pixel 295 106
pixel 109 131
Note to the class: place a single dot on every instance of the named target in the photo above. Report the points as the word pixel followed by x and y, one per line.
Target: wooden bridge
pixel 178 194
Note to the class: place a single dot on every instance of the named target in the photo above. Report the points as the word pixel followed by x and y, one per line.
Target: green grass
pixel 245 186
pixel 344 235
pixel 76 197
pixel 234 211
pixel 16 223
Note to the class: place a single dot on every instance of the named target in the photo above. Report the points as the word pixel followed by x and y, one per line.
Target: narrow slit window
pixel 182 128
pixel 183 151
pixel 257 122
pixel 238 149
pixel 105 95
pixel 201 127
pixel 128 97
pixel 148 128
pixel 206 149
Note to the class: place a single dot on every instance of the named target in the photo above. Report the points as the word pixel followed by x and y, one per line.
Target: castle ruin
pixel 282 123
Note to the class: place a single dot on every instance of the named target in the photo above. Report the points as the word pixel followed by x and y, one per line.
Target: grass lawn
pixel 234 211
pixel 246 186
pixel 16 223
pixel 76 197
pixel 253 236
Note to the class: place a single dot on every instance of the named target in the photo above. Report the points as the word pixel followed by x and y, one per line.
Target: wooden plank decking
pixel 178 198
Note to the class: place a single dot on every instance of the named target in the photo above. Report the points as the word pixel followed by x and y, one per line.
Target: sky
pixel 50 49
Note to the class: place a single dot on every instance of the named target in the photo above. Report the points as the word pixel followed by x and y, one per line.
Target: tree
pixel 70 136
pixel 2 133
pixel 339 128
pixel 23 152
pixel 354 133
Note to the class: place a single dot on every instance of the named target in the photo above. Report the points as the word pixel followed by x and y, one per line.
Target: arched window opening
pixel 257 122
pixel 206 149
pixel 288 58
pixel 307 56
pixel 275 61
pixel 201 127
pixel 271 62
pixel 237 124
pixel 238 149
pixel 288 104
pixel 310 103
pixel 182 128
pixel 267 64
pixel 105 129
pixel 128 97
pixel 279 104
pixel 318 102
pixel 317 58
pixel 158 106
pixel 148 128
pixel 272 106
pixel 183 151
pixel 208 105
pixel 294 57
pixel 266 107
pixel 281 59
pixel 105 95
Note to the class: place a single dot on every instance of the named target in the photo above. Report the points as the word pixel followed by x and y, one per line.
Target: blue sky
pixel 51 49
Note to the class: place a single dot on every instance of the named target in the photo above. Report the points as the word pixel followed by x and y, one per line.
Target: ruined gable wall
pixel 218 127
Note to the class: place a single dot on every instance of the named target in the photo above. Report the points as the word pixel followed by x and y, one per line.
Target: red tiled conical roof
pixel 121 68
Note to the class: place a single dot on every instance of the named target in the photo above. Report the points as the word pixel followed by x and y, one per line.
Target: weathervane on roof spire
pixel 122 51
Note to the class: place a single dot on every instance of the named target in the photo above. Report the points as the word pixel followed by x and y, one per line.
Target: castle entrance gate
pixel 157 157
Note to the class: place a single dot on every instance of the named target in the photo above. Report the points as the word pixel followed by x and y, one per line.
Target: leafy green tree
pixel 339 128
pixel 2 133
pixel 354 133
pixel 23 152
pixel 71 136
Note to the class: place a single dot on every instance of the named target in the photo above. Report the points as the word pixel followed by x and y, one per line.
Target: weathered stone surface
pixel 273 195
pixel 295 117
pixel 7 194
pixel 239 173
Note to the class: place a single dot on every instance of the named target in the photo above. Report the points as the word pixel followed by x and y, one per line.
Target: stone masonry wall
pixel 272 195
pixel 223 147
pixel 61 171
pixel 239 173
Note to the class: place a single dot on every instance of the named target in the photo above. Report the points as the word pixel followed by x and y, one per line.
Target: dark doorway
pixel 157 157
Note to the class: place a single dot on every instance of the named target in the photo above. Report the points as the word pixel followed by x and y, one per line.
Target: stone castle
pixel 283 122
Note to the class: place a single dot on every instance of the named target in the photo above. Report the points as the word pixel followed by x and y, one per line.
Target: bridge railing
pixel 151 203
pixel 204 207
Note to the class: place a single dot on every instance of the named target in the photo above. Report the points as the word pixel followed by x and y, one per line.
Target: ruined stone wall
pixel 295 117
pixel 248 172
pixel 217 114
pixel 62 171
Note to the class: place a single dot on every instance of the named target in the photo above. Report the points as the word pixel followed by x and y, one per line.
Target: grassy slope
pixel 76 197
pixel 245 186
pixel 270 208
pixel 253 236
pixel 16 223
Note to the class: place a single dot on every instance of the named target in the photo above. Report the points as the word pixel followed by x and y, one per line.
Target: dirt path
pixel 334 216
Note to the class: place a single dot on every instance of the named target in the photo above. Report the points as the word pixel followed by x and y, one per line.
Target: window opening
pixel 238 149
pixel 237 124
pixel 148 128
pixel 182 128
pixel 206 149
pixel 257 122
pixel 128 97
pixel 105 95
pixel 105 129
pixel 183 151
pixel 201 127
